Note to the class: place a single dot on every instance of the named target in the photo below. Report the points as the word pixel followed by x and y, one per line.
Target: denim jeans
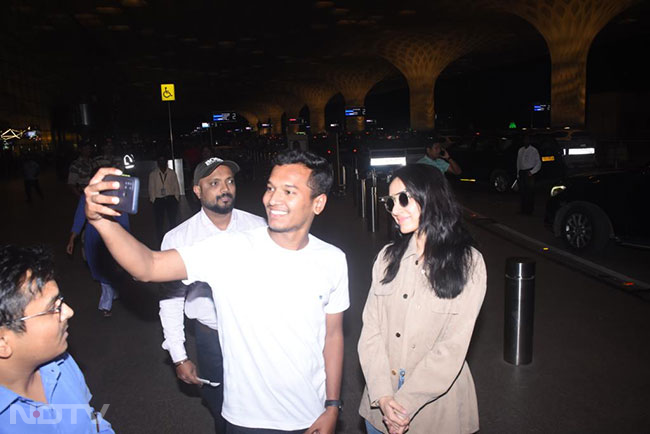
pixel 210 367
pixel 107 297
pixel 400 382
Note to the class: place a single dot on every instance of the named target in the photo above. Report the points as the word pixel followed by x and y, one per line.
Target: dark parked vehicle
pixel 588 210
pixel 492 159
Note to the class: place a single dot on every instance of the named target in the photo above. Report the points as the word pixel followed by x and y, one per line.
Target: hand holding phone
pixel 127 193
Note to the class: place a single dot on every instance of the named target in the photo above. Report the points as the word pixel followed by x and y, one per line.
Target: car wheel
pixel 500 181
pixel 584 229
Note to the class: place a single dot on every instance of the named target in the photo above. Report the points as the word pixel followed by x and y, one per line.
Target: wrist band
pixel 177 364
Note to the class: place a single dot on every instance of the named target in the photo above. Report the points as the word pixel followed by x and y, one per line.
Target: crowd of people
pixel 270 343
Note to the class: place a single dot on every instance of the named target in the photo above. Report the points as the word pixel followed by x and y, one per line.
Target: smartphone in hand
pixel 127 193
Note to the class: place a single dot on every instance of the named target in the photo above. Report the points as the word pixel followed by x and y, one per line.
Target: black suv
pixel 492 158
pixel 589 209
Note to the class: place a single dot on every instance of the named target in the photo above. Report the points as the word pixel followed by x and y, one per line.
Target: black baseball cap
pixel 208 166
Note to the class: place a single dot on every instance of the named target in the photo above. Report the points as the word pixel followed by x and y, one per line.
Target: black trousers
pixel 161 206
pixel 210 362
pixel 527 190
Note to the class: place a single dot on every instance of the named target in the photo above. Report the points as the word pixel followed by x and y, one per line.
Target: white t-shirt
pixel 194 300
pixel 271 309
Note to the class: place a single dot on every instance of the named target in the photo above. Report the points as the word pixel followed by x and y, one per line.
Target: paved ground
pixel 589 372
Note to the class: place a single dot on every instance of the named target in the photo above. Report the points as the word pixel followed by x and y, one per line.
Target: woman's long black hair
pixel 447 253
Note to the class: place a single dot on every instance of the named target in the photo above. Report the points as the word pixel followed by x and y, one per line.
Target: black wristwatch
pixel 334 403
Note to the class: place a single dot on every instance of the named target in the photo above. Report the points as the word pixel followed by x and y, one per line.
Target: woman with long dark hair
pixel 427 289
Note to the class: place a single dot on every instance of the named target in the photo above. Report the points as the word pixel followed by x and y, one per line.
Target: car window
pixel 486 144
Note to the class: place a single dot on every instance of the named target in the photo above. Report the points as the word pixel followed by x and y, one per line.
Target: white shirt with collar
pixel 166 182
pixel 194 300
pixel 528 159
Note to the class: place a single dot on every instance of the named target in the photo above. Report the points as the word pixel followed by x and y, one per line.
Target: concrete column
pixel 421 101
pixel 569 28
pixel 317 118
pixel 354 78
pixel 356 124
pixel 421 58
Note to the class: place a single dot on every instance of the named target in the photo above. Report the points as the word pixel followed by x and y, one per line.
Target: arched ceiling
pixel 233 51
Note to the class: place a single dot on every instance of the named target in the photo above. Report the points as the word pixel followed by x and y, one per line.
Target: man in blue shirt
pixel 438 157
pixel 42 390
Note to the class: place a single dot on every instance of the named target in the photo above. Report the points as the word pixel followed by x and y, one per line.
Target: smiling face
pixel 290 207
pixel 45 336
pixel 408 217
pixel 217 190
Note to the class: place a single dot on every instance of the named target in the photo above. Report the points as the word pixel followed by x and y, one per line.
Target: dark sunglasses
pixel 389 201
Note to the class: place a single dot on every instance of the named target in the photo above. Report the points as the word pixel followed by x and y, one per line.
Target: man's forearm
pixel 455 168
pixel 333 355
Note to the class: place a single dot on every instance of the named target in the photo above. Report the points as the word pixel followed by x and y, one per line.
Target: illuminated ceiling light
pixel 346 22
pixel 340 11
pixel 109 10
pixel 407 12
pixel 189 39
pixel 119 28
pixel 226 44
pixel 323 4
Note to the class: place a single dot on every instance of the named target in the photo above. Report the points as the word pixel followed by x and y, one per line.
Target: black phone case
pixel 128 193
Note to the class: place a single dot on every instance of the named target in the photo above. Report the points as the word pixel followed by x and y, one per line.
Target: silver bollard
pixel 362 198
pixel 519 311
pixel 372 223
pixel 355 190
pixel 344 179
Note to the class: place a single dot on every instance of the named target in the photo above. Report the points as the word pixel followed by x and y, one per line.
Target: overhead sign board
pixel 224 117
pixel 541 107
pixel 167 92
pixel 355 111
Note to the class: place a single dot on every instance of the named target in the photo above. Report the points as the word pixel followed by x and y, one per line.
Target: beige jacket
pixel 406 326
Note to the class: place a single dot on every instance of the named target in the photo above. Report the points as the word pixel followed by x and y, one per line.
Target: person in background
pixel 214 186
pixel 528 164
pixel 100 262
pixel 42 389
pixel 164 193
pixel 81 169
pixel 31 170
pixel 108 158
pixel 427 290
pixel 438 157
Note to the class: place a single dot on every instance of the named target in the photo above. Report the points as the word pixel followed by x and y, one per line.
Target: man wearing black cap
pixel 214 186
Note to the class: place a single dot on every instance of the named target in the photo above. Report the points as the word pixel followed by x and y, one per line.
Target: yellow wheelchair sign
pixel 167 92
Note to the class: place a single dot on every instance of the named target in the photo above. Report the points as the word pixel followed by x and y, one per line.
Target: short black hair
pixel 321 177
pixel 24 271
